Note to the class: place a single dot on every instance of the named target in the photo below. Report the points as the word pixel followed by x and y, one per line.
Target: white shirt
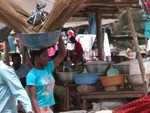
pixel 11 90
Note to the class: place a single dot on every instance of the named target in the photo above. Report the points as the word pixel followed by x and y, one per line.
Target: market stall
pixel 50 27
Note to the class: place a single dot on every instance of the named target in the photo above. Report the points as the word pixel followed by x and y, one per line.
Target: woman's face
pixel 43 59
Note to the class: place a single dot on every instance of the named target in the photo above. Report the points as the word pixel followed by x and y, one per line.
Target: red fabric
pixel 71 33
pixel 78 51
pixel 141 105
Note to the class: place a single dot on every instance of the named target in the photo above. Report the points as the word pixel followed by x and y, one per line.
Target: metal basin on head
pixel 39 40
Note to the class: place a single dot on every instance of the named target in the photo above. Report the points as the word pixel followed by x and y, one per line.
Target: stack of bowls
pixel 97 67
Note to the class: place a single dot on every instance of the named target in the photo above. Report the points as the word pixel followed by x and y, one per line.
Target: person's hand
pixel 30 112
pixel 126 56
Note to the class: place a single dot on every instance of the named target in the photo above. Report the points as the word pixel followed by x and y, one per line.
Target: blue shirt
pixel 11 90
pixel 44 82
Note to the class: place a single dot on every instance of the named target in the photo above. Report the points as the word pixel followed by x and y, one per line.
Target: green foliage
pixel 122 26
pixel 122 44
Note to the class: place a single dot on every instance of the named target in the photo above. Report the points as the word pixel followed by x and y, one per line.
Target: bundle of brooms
pixel 61 12
pixel 11 18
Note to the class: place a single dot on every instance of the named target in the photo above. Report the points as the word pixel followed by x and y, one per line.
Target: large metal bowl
pixel 136 79
pixel 97 67
pixel 66 77
pixel 123 67
pixel 39 40
pixel 137 82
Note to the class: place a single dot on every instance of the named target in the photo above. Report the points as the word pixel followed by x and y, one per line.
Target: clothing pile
pixel 141 105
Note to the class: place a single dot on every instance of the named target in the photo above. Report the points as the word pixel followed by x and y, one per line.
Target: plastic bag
pixel 38 16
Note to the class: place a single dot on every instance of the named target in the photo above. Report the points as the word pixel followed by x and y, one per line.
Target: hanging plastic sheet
pixel 92 25
pixel 146 25
pixel 147 29
pixel 106 47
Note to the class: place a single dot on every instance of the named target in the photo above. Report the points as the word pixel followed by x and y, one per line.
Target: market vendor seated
pixel 129 53
pixel 78 51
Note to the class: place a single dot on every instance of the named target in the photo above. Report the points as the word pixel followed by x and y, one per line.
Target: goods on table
pixel 79 69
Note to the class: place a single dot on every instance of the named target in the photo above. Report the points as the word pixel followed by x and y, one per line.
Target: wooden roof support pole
pixel 99 35
pixel 146 43
pixel 25 56
pixel 139 57
pixel 22 50
pixel 7 49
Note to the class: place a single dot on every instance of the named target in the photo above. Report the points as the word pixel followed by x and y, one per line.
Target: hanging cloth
pixel 92 25
pixel 106 47
pixel 146 25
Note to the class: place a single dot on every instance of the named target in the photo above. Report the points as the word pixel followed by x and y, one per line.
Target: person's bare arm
pixel 32 92
pixel 129 57
pixel 129 54
pixel 61 54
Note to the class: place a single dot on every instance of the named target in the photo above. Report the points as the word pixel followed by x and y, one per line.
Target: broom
pixel 10 17
pixel 58 8
pixel 67 13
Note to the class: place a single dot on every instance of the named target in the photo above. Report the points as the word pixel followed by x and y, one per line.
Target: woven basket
pixel 113 80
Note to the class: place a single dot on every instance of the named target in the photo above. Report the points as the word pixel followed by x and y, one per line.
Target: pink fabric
pixel 51 51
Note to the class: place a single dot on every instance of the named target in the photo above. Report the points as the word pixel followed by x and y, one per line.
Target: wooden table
pixel 103 94
pixel 65 95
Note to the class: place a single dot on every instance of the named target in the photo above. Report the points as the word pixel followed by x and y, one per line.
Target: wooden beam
pixel 115 15
pixel 101 10
pixel 99 35
pixel 112 1
pixel 109 4
pixel 139 57
pixel 108 9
